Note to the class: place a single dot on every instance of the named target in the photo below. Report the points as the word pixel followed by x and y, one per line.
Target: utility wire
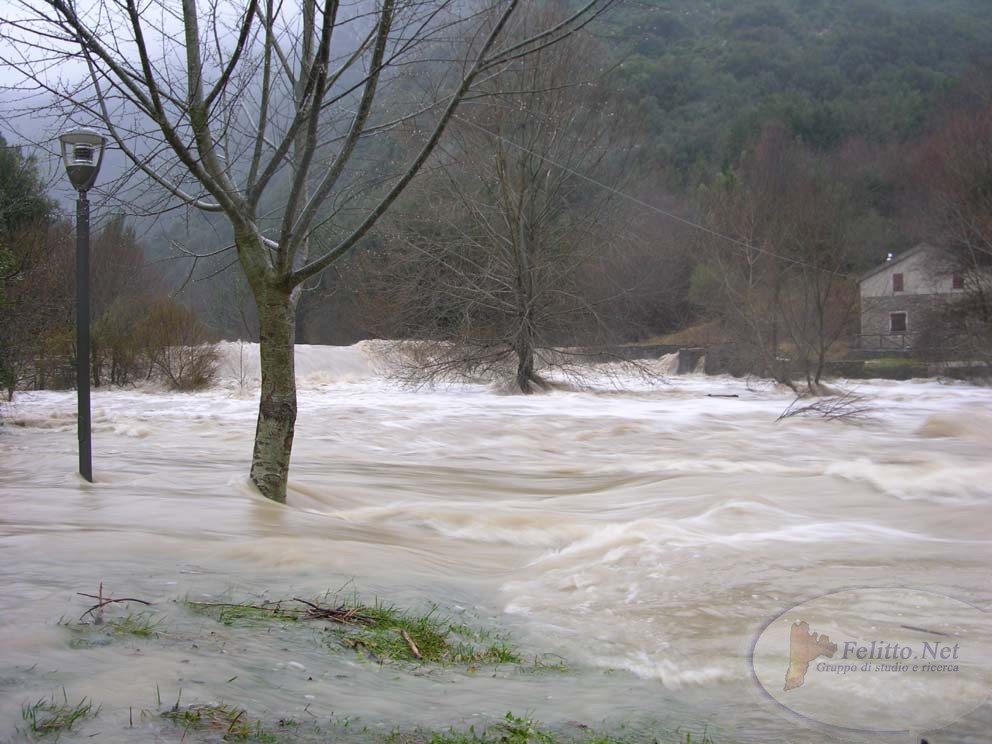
pixel 670 215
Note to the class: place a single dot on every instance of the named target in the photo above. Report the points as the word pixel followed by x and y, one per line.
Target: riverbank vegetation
pixel 375 631
pixel 379 631
pixel 229 722
pixel 53 717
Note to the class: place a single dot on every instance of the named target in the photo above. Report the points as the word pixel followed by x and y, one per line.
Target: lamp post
pixel 82 153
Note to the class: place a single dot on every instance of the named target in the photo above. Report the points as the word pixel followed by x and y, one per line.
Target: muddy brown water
pixel 646 536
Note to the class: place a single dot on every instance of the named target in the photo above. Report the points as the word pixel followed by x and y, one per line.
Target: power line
pixel 651 207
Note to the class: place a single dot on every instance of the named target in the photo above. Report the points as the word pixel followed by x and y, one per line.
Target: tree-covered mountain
pixel 704 78
pixel 708 73
pixel 857 84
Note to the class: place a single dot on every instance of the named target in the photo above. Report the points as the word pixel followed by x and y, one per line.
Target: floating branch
pixel 847 406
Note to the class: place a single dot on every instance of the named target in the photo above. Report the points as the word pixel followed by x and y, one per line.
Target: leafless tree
pixel 490 262
pixel 177 346
pixel 135 325
pixel 782 288
pixel 953 168
pixel 36 314
pixel 123 287
pixel 27 233
pixel 261 111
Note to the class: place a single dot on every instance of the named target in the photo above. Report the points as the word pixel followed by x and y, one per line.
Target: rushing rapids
pixel 646 535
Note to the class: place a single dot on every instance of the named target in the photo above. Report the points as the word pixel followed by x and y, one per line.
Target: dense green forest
pixel 708 73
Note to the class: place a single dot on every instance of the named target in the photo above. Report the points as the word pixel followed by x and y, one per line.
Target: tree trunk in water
pixel 525 366
pixel 277 408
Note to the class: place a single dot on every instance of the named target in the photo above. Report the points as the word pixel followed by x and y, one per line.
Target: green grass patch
pixel 232 722
pixel 378 631
pixel 91 635
pixel 140 624
pixel 399 635
pixel 524 730
pixel 891 363
pixel 52 718
pixel 225 722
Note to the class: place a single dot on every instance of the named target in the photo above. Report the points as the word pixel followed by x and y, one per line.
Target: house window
pixel 897 322
pixel 957 280
pixel 897 283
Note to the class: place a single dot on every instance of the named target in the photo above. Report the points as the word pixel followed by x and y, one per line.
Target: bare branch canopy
pixel 266 113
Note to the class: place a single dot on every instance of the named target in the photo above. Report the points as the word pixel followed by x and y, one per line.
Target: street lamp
pixel 82 153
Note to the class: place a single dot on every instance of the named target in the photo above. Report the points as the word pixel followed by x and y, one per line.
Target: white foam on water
pixel 652 530
pixel 239 364
pixel 933 479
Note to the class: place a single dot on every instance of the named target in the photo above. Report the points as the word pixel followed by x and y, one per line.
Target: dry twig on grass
pixel 413 646
pixel 103 602
pixel 349 615
pixel 313 611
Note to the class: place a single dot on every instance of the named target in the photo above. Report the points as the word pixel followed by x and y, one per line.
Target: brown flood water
pixel 645 536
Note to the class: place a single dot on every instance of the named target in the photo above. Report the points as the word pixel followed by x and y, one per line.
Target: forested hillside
pixel 710 72
pixel 858 87
pixel 719 99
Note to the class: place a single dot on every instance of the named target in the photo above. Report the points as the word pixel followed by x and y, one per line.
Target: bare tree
pixel 782 289
pixel 36 347
pixel 26 231
pixel 953 168
pixel 260 111
pixel 177 345
pixel 494 270
pixel 122 285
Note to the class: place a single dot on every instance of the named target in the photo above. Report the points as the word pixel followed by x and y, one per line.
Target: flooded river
pixel 646 536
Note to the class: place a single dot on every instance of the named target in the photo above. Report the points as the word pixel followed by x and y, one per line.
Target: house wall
pixel 927 281
pixel 875 311
pixel 923 274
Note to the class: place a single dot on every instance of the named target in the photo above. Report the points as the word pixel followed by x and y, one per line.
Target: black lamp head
pixel 82 154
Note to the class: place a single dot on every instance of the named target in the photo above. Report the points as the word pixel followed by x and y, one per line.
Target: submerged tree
pixel 262 111
pixel 489 262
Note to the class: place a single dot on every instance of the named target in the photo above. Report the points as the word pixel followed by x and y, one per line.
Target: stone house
pixel 897 296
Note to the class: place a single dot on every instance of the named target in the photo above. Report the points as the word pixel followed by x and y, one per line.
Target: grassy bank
pixel 349 630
